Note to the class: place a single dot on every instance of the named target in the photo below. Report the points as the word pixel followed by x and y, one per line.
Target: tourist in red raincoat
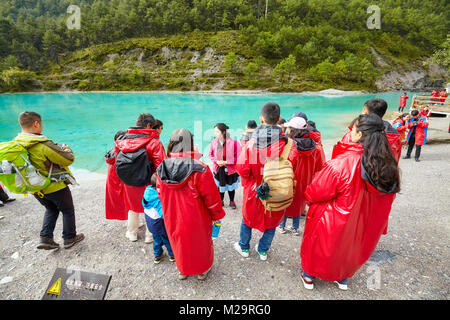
pixel 135 138
pixel 400 125
pixel 191 204
pixel 350 201
pixel 115 207
pixel 268 140
pixel 306 160
pixel 378 107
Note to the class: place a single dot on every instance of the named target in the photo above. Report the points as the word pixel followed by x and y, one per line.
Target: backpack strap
pixel 287 149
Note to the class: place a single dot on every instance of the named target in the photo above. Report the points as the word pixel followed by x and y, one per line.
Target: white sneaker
pixel 341 286
pixel 148 239
pixel 307 282
pixel 132 237
pixel 282 230
pixel 262 255
pixel 238 248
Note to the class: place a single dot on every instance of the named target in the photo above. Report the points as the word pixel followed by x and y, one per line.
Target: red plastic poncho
pixel 115 207
pixel 305 164
pixel 346 218
pixel 250 168
pixel 317 137
pixel 148 138
pixel 191 202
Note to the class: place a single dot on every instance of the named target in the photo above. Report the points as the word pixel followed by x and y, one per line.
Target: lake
pixel 87 122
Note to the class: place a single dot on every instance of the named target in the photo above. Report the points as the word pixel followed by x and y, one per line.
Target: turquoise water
pixel 87 122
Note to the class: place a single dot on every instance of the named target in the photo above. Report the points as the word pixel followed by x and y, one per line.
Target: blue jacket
pixel 151 201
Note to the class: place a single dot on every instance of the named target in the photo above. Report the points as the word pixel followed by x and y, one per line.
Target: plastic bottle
pixel 216 228
pixel 33 177
pixel 6 167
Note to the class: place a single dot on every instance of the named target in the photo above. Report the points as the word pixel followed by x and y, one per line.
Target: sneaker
pixel 8 200
pixel 307 282
pixel 295 232
pixel 262 255
pixel 204 275
pixel 233 205
pixel 148 239
pixel 407 157
pixel 342 285
pixel 158 259
pixel 417 160
pixel 68 243
pixel 182 276
pixel 131 236
pixel 47 244
pixel 172 259
pixel 238 248
pixel 282 230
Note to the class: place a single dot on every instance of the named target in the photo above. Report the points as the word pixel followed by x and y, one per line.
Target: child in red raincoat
pixel 350 201
pixel 191 204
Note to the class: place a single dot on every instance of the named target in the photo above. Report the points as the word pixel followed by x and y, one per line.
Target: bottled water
pixel 34 178
pixel 6 167
pixel 216 228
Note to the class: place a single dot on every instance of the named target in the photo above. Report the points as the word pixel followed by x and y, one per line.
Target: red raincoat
pixel 190 202
pixel 250 166
pixel 135 139
pixel 317 137
pixel 115 206
pixel 305 164
pixel 346 218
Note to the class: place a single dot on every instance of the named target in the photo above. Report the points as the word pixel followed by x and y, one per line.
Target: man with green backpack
pixel 32 163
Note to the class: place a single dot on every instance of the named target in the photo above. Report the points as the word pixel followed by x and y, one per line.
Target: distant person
pixel 224 152
pixel 443 95
pixel 191 205
pixel 434 94
pixel 281 124
pixel 158 126
pixel 350 198
pixel 417 135
pixel 379 107
pixel 115 207
pixel 155 223
pixel 4 197
pixel 306 159
pixel 268 141
pixel 46 156
pixel 249 129
pixel 400 124
pixel 138 153
pixel 403 99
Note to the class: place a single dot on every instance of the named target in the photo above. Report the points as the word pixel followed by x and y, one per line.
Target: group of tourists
pixel 282 168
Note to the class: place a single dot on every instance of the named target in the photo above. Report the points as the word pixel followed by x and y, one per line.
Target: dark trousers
pixel 3 195
pixel 400 109
pixel 230 193
pixel 411 142
pixel 59 201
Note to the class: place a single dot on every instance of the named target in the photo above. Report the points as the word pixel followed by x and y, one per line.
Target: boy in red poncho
pixel 268 140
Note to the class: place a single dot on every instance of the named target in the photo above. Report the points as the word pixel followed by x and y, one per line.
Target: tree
pixel 284 69
pixel 16 79
pixel 231 62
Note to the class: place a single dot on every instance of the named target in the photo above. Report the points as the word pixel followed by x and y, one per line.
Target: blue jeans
pixel 264 242
pixel 158 242
pixel 343 281
pixel 295 222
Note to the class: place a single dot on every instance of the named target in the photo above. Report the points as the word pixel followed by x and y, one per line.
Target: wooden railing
pixel 428 100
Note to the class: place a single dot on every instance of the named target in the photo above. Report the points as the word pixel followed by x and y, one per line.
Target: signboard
pixel 70 284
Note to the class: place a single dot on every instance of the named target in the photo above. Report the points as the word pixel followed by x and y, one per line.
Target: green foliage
pixel 15 79
pixel 231 63
pixel 283 71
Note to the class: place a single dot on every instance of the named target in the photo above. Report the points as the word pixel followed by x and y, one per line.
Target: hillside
pixel 298 45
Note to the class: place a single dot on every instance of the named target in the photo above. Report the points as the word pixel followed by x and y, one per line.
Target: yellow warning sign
pixel 55 288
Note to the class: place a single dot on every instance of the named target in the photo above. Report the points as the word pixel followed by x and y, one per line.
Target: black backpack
pixel 134 168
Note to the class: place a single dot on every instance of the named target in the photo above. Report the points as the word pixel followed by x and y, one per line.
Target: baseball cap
pixel 296 123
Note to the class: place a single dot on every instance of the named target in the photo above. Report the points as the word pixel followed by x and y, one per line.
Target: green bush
pixel 15 79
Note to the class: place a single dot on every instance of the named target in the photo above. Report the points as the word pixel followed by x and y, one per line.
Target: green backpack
pixel 17 173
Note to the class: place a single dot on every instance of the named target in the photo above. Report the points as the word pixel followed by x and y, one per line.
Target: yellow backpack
pixel 278 173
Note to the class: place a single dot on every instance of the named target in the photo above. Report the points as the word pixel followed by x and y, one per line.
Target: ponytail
pixel 378 159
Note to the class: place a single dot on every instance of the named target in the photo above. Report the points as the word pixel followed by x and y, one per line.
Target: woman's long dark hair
pixel 378 159
pixel 223 129
pixel 181 140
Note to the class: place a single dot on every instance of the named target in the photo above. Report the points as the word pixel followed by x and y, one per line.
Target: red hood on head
pixel 135 139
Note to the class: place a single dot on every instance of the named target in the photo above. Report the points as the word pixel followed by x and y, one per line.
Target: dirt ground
pixel 416 247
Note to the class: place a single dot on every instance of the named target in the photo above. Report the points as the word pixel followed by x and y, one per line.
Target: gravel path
pixel 418 234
